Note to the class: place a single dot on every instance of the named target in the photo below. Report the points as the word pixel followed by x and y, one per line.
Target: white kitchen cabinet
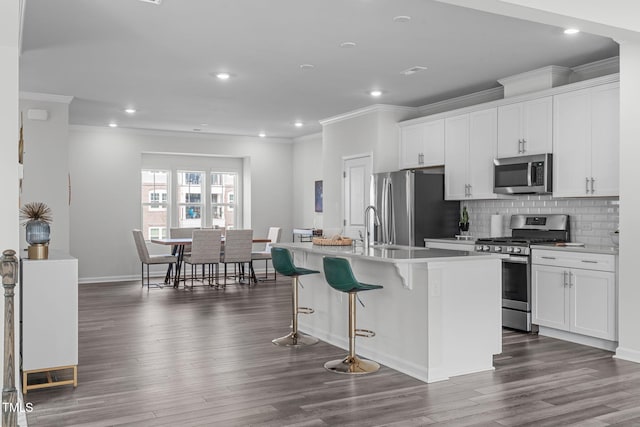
pixel 586 147
pixel 575 292
pixel 470 148
pixel 49 317
pixel 422 145
pixel 525 128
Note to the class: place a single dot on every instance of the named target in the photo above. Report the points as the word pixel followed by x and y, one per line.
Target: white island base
pixel 439 314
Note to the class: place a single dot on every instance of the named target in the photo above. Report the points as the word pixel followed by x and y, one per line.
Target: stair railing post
pixel 9 269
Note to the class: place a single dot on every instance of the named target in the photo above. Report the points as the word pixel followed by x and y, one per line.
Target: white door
pixel 537 130
pixel 482 151
pixel 456 156
pixel 605 140
pixel 357 191
pixel 549 297
pixel 510 130
pixel 593 303
pixel 571 144
pixel 411 146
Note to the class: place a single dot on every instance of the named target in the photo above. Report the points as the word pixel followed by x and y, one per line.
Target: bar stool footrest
pixel 365 333
pixel 305 310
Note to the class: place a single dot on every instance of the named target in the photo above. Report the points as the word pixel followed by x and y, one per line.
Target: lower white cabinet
pixel 49 318
pixel 575 292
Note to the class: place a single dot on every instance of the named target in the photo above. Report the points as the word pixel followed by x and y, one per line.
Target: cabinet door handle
pixel 548 257
pixel 469 190
pixel 592 186
pixel 587 185
pixel 564 278
pixel 589 261
pixel 570 276
pixel 524 146
pixel 519 146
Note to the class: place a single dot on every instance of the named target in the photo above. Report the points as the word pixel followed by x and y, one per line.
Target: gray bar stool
pixel 283 264
pixel 339 275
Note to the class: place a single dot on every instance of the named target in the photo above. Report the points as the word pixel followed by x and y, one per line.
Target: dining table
pixel 177 248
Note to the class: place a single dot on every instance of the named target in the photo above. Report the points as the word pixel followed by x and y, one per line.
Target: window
pixel 189 193
pixel 155 202
pixel 223 203
pixel 157 233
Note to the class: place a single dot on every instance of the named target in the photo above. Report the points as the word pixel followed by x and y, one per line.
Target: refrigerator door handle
pixel 384 220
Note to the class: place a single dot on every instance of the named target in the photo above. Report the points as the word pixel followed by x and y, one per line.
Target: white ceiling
pixel 113 54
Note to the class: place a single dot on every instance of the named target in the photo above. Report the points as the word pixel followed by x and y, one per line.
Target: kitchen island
pixel 438 315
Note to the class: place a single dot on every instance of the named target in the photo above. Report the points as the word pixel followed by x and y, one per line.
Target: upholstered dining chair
pixel 205 250
pixel 146 259
pixel 237 250
pixel 274 236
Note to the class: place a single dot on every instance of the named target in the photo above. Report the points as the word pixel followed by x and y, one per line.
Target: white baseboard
pixel 578 339
pixel 627 354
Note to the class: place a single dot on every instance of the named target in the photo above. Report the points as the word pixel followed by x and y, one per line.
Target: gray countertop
pixel 594 249
pixel 452 240
pixel 389 253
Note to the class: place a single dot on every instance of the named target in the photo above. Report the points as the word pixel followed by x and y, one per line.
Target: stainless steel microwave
pixel 523 174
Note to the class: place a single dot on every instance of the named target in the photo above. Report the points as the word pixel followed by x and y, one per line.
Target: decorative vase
pixel 38 236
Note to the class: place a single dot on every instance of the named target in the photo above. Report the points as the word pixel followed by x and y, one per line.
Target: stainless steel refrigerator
pixel 411 207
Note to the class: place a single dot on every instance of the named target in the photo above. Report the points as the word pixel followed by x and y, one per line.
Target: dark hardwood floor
pixel 168 357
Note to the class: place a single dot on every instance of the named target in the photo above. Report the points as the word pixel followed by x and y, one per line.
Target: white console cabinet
pixel 49 320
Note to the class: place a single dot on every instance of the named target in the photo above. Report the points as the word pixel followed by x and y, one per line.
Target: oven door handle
pixel 517 259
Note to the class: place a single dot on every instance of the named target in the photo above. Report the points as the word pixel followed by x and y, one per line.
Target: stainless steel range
pixel 526 230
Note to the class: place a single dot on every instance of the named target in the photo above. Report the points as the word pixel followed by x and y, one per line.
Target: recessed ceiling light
pixel 298 124
pixel 204 124
pixel 262 134
pixel 347 45
pixel 223 76
pixel 306 66
pixel 571 31
pixel 113 125
pixel 130 110
pixel 156 2
pixel 375 93
pixel 402 18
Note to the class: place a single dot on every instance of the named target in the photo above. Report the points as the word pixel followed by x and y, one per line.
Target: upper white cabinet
pixel 470 147
pixel 586 142
pixel 525 128
pixel 422 145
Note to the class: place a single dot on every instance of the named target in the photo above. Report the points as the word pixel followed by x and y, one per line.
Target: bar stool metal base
pixel 352 365
pixel 295 339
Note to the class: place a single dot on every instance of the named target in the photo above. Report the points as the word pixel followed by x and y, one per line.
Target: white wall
pixel 46 166
pixel 105 168
pixel 307 169
pixel 629 291
pixel 9 19
pixel 375 133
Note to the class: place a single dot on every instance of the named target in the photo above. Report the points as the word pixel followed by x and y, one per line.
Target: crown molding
pixel 376 108
pixel 470 99
pixel 45 97
pixel 598 68
pixel 182 134
pixel 305 138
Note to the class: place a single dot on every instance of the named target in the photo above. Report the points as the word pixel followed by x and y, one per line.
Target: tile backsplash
pixel 591 220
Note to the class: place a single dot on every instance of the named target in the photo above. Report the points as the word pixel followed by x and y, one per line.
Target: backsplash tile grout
pixel 591 221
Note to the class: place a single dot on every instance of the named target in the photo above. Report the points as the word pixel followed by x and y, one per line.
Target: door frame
pixel 345 159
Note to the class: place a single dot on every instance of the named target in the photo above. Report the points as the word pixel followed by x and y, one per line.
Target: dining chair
pixel 205 250
pixel 237 250
pixel 146 259
pixel 274 236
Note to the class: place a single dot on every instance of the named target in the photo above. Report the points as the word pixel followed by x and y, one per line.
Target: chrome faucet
pixel 376 222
